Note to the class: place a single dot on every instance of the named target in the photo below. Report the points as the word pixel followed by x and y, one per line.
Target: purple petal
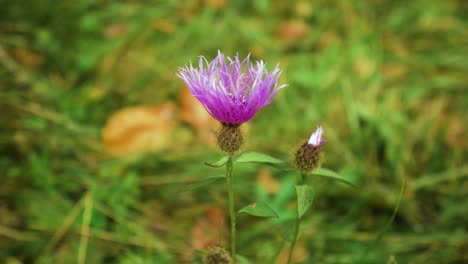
pixel 231 90
pixel 316 138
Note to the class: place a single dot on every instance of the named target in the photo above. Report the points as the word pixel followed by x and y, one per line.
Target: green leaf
pixel 260 210
pixel 218 163
pixel 256 157
pixel 242 260
pixel 200 183
pixel 331 174
pixel 305 197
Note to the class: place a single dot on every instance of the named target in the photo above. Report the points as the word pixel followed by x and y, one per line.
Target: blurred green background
pixel 82 184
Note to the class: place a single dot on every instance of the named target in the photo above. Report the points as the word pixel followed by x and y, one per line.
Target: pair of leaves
pixel 248 157
pixel 305 197
pixel 305 193
pixel 255 209
pixel 256 157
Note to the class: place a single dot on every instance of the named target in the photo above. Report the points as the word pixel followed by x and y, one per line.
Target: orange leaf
pixel 139 129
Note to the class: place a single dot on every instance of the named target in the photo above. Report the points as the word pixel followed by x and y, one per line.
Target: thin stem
pixel 302 180
pixel 232 210
pixel 297 225
pixel 293 243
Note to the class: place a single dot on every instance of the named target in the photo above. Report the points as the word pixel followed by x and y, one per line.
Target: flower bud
pixel 308 157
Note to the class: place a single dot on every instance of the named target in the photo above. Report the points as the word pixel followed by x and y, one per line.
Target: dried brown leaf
pixel 140 129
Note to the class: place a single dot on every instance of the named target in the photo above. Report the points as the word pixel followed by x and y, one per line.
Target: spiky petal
pixel 231 90
pixel 316 138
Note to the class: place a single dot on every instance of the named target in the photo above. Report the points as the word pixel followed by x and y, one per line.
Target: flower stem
pixel 296 227
pixel 232 211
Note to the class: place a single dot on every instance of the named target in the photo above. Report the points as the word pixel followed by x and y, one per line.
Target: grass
pixel 387 79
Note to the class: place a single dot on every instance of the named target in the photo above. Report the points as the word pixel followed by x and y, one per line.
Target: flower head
pixel 232 91
pixel 308 157
pixel 217 255
pixel 316 138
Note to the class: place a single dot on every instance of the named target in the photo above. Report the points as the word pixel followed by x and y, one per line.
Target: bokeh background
pixel 100 141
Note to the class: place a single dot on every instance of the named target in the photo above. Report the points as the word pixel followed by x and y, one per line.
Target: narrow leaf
pixel 218 163
pixel 305 197
pixel 260 210
pixel 200 183
pixel 331 174
pixel 256 157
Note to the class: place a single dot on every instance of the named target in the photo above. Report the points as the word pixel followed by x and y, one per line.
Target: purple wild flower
pixel 232 91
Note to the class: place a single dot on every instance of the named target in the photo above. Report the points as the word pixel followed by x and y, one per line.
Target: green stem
pixel 293 243
pixel 232 210
pixel 296 228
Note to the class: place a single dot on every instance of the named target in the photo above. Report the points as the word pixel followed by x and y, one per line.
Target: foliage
pixel 387 79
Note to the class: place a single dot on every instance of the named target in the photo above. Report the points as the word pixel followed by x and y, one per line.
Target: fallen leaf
pixel 140 129
pixel 293 30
